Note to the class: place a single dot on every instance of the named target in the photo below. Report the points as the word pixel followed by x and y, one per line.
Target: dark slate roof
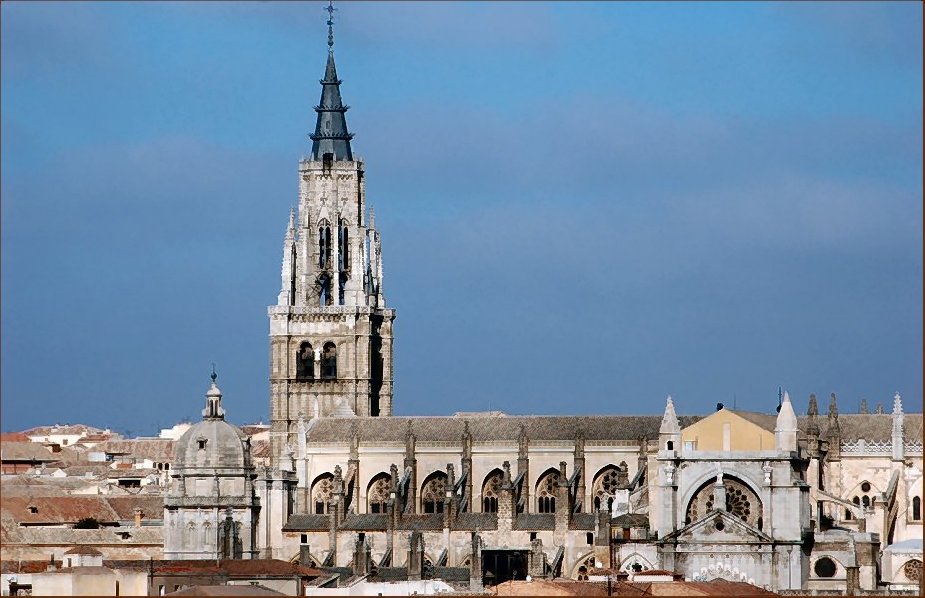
pixel 474 521
pixel 390 574
pixel 451 573
pixel 535 521
pixel 331 134
pixel 422 522
pixel 582 521
pixel 365 521
pixel 302 522
pixel 869 426
pixel 630 520
pixel 507 427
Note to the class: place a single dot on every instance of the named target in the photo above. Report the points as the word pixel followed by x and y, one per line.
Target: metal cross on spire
pixel 330 8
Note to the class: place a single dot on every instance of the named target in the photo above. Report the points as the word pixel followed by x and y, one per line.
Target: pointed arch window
pixel 377 495
pixel 916 508
pixel 324 246
pixel 324 290
pixel 305 362
pixel 321 494
pixel 433 492
pixel 329 361
pixel 343 246
pixel 491 491
pixel 606 483
pixel 546 492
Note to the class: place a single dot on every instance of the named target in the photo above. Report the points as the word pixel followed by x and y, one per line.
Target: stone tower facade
pixel 330 330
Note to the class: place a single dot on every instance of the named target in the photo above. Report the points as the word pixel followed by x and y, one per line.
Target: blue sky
pixel 584 206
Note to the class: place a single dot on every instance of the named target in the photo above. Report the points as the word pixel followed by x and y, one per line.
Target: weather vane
pixel 214 376
pixel 330 8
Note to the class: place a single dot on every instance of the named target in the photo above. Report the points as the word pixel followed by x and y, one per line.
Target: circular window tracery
pixel 913 570
pixel 740 502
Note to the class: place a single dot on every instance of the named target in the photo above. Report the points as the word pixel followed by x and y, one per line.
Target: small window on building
pixel 865 500
pixel 865 487
pixel 304 539
pixel 33 510
pixel 690 445
pixel 202 443
pixel 669 445
pixel 589 538
pixel 305 362
pixel 166 466
pixel 825 567
pixel 916 508
pixel 329 362
pixel 532 536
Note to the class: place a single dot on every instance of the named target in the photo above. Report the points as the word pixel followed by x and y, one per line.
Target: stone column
pixel 523 467
pixel 475 563
pixel 536 560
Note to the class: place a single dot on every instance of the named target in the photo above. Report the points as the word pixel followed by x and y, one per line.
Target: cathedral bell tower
pixel 330 330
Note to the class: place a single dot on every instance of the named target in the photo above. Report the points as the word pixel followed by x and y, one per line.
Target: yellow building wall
pixel 726 431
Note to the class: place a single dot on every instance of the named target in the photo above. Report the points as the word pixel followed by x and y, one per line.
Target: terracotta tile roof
pixel 13 437
pixel 260 449
pixel 156 449
pixel 84 550
pixel 217 590
pixel 66 429
pixel 554 587
pixel 152 507
pixel 237 568
pixel 7 567
pixel 57 509
pixel 762 420
pixel 29 452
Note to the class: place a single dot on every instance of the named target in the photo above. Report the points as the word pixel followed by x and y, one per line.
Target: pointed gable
pixel 726 430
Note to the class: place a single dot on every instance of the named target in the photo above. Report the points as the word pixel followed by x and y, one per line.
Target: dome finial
pixel 330 8
pixel 214 376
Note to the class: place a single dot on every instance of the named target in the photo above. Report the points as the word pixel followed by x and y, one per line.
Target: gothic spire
pixel 331 135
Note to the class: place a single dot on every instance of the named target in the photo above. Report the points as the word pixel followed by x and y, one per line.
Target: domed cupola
pixel 213 442
pixel 211 509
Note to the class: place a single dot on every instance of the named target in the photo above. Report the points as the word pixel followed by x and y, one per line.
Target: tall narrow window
pixel 433 492
pixel 916 508
pixel 321 493
pixel 305 362
pixel 329 362
pixel 491 490
pixel 341 287
pixel 378 492
pixel 343 247
pixel 324 290
pixel 324 246
pixel 546 492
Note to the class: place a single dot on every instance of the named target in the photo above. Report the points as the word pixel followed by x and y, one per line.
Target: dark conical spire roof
pixel 331 135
